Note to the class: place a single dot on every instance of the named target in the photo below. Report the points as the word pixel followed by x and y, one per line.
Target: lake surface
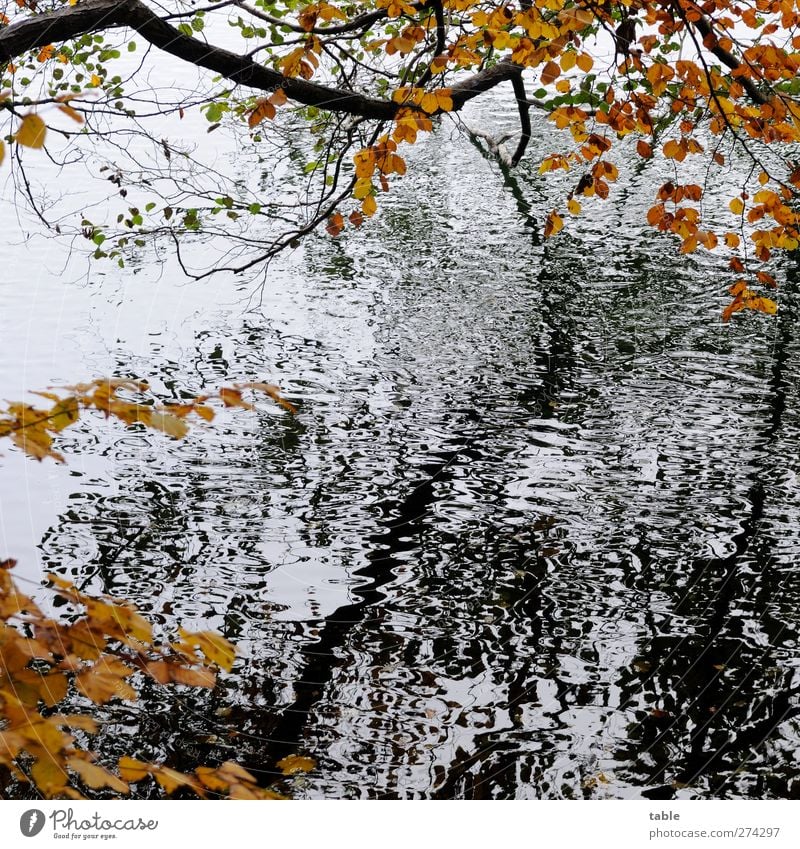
pixel 532 534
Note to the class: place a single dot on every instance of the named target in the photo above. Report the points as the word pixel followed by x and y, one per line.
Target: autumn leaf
pixel 106 681
pixel 31 132
pixel 273 391
pixel 263 110
pixel 233 398
pixel 96 777
pixel 369 206
pixel 71 112
pixel 215 647
pixel 168 423
pixel 553 224
pixel 132 770
pixel 292 764
pixel 365 163
pixel 549 73
pixel 335 224
pixel 736 206
pixel 49 774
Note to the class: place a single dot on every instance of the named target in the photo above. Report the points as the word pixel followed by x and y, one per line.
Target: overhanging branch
pixel 93 15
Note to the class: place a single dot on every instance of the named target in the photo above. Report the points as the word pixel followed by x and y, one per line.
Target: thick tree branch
pixel 93 15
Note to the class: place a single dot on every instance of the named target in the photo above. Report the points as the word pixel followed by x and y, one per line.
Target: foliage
pixel 32 428
pixel 688 78
pixel 96 651
pixel 98 646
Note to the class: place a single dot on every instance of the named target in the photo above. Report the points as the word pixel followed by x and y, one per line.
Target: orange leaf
pixel 553 224
pixel 335 224
pixel 550 72
pixel 263 110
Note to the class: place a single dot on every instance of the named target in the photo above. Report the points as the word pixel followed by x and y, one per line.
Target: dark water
pixel 533 533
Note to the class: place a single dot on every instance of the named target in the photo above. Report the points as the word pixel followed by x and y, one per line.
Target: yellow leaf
pixel 171 779
pixel 585 62
pixel 63 414
pixel 429 102
pixel 214 646
pixel 573 206
pixel 444 99
pixel 85 723
pixel 567 60
pixel 292 764
pixel 231 771
pixel 204 412
pixel 95 80
pixel 105 681
pixel 192 677
pixel 273 391
pixel 209 778
pixel 765 305
pixel 369 206
pixel 31 132
pixel 233 398
pixel 365 163
pixel 169 424
pixel 362 188
pixel 736 206
pixel 278 97
pixel 2 152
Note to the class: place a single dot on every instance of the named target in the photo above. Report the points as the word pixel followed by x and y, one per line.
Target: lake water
pixel 532 534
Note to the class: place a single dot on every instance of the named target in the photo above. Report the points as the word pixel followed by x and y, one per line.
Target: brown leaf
pixel 273 391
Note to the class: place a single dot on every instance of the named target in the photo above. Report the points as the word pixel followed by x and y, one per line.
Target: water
pixel 531 535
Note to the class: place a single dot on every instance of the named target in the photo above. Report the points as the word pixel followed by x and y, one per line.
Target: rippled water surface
pixel 533 533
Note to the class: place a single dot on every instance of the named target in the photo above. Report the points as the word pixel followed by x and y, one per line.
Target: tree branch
pixel 93 15
pixel 524 117
pixel 705 29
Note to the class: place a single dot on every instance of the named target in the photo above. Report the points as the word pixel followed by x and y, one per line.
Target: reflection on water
pixel 532 534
